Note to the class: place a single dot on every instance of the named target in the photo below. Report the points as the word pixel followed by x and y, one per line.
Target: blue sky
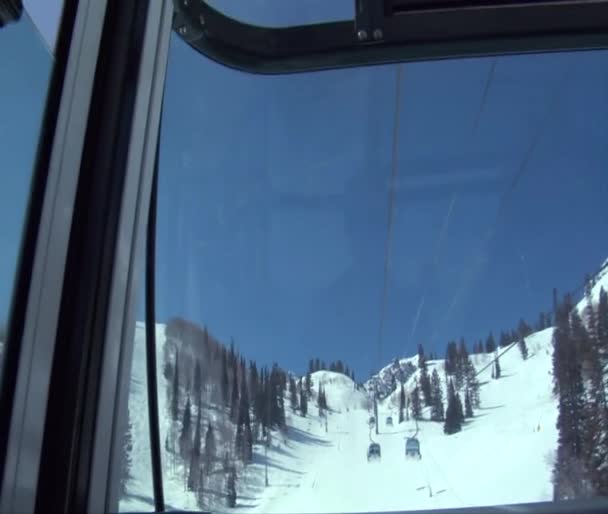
pixel 274 195
pixel 26 66
pixel 274 198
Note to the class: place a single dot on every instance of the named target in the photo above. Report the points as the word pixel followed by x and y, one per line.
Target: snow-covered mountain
pixel 505 454
pixel 596 284
pixel 397 372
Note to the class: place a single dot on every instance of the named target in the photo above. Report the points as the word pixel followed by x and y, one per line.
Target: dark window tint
pixel 26 66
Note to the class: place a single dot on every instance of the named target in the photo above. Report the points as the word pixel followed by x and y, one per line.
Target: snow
pixel 601 281
pixel 341 389
pixel 504 455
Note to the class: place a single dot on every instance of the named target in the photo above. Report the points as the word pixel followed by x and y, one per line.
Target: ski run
pixel 504 454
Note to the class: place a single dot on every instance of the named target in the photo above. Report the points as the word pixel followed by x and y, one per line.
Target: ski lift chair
pixel 373 452
pixel 412 448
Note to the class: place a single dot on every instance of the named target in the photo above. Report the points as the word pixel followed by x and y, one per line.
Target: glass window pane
pixel 278 13
pixel 133 468
pixel 46 16
pixel 381 289
pixel 26 67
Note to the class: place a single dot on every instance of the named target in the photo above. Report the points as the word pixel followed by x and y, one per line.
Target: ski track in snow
pixel 504 455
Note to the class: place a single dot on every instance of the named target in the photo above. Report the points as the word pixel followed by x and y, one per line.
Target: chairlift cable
pixel 391 202
pixel 519 173
pixel 484 95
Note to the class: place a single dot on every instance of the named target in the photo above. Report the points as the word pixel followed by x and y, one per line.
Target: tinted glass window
pixel 26 67
pixel 382 289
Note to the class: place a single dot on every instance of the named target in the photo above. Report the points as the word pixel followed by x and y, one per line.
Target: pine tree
pixel 453 415
pixel 523 329
pixel 175 391
pixel 225 381
pixel 167 370
pixel 523 348
pixel 231 488
pixel 601 330
pixel 437 413
pixel 421 357
pixel 542 321
pixel 459 409
pixel 198 383
pixel 471 383
pixel 303 402
pixel 503 339
pixel 195 457
pixel 244 436
pixel 234 398
pixel 293 394
pixel 308 385
pixel 185 438
pixel 246 422
pixel 416 404
pixel 210 450
pixel 277 406
pixel 425 382
pixel 320 400
pixel 451 358
pixel 596 408
pixel 468 409
pixel 401 404
pixel 239 441
pixel 570 478
pixel 460 364
pixel 490 344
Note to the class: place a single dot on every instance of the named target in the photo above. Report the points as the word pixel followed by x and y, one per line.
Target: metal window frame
pixel 38 285
pixel 96 320
pixel 104 494
pixel 72 321
pixel 411 30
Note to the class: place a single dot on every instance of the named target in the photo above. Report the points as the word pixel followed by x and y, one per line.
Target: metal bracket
pixel 369 20
pixel 188 21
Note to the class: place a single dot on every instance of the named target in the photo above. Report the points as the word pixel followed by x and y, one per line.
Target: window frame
pixel 408 31
pixel 58 328
pixel 72 317
pixel 37 290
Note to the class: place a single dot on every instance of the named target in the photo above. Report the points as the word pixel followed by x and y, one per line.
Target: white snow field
pixel 504 455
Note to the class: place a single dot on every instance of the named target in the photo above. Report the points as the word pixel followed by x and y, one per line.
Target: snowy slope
pixel 601 281
pixel 341 391
pixel 396 372
pixel 503 455
pixel 304 446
